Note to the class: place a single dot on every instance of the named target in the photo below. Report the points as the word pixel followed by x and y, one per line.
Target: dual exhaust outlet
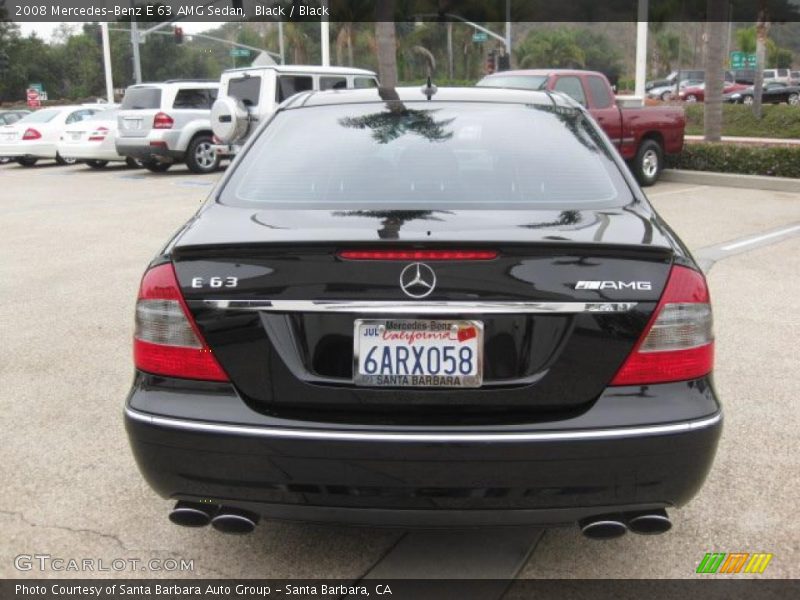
pixel 607 527
pixel 238 521
pixel 221 518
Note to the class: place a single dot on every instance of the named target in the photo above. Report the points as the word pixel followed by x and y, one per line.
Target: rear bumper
pixel 159 145
pixel 548 473
pixel 87 152
pixel 28 149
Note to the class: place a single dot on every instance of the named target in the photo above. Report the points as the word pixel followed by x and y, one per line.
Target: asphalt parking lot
pixel 74 244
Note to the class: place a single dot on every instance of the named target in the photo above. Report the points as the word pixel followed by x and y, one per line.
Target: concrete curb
pixel 734 180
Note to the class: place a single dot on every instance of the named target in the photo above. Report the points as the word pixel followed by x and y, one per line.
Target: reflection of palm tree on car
pixel 400 120
pixel 393 220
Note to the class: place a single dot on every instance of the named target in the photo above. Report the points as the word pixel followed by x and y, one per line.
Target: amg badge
pixel 614 285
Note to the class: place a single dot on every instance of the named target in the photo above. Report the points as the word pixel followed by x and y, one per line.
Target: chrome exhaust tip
pixel 604 527
pixel 192 514
pixel 235 521
pixel 651 522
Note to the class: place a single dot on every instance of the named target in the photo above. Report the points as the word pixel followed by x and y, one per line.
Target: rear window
pixel 523 82
pixel 428 156
pixel 141 98
pixel 40 116
pixel 245 89
pixel 195 98
pixel 104 115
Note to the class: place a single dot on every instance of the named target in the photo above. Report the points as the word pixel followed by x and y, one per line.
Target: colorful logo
pixel 735 562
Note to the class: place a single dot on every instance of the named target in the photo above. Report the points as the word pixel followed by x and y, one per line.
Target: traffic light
pixel 4 62
pixel 503 62
pixel 179 35
pixel 490 63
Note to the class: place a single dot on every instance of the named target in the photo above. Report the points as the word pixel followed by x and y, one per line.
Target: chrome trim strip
pixel 390 307
pixel 375 436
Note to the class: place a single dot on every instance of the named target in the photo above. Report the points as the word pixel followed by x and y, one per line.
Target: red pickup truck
pixel 642 135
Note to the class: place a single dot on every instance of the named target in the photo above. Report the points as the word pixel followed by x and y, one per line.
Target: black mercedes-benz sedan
pixel 425 308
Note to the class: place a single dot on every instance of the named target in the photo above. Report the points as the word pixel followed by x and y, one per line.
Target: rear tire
pixel 648 163
pixel 97 164
pixel 666 96
pixel 65 161
pixel 133 163
pixel 27 162
pixel 200 156
pixel 794 99
pixel 691 98
pixel 747 100
pixel 156 167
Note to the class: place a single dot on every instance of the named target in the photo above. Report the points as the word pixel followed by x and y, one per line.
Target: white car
pixel 36 135
pixel 93 140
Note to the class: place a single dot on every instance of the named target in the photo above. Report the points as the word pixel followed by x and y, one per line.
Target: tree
pixel 555 48
pixel 762 31
pixel 386 40
pixel 715 71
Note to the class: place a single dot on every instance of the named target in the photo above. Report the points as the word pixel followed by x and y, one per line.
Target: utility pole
pixel 107 62
pixel 641 49
pixel 137 61
pixel 325 37
pixel 280 42
pixel 508 31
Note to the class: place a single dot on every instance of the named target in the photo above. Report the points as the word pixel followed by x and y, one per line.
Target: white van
pixel 252 94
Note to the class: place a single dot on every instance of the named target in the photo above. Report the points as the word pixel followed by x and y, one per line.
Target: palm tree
pixel 762 31
pixel 386 39
pixel 715 70
pixel 556 48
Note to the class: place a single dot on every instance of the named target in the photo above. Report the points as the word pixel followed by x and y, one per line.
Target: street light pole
pixel 107 62
pixel 137 61
pixel 641 49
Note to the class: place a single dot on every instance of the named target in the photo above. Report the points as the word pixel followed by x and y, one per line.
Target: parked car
pixel 697 93
pixel 772 93
pixel 698 75
pixel 777 75
pixel 746 76
pixel 429 308
pixel 642 135
pixel 93 141
pixel 35 136
pixel 252 94
pixel 7 117
pixel 164 123
pixel 668 91
pixel 795 78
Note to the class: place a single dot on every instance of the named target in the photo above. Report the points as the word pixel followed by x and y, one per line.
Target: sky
pixel 45 30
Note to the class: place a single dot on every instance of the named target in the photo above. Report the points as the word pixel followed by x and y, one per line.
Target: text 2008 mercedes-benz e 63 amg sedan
pixel 425 308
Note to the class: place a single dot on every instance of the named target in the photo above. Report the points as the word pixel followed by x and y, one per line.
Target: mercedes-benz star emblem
pixel 417 280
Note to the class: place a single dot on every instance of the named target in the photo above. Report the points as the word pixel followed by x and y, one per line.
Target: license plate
pixel 8 137
pixel 418 353
pixel 132 123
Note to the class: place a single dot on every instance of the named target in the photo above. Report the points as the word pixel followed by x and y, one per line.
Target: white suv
pixel 252 94
pixel 164 123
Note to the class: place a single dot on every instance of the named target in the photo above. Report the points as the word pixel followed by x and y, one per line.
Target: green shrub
pixel 779 121
pixel 778 161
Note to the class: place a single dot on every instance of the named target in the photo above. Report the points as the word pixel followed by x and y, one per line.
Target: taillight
pixel 163 121
pixel 678 342
pixel 418 254
pixel 167 340
pixel 31 134
pixel 99 134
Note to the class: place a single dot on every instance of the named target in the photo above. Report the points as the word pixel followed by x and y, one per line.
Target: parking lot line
pixel 709 255
pixel 761 238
